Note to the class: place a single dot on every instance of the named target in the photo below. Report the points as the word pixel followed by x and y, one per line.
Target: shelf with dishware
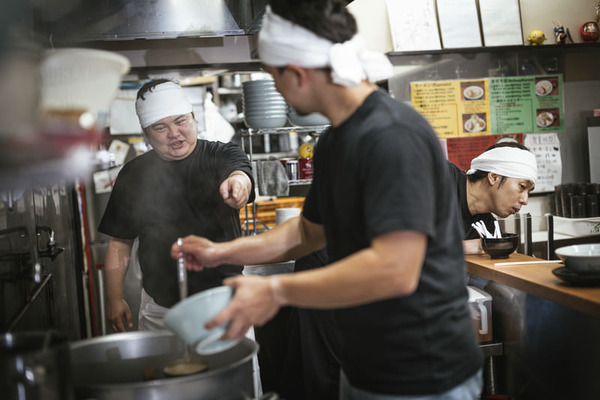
pixel 297 187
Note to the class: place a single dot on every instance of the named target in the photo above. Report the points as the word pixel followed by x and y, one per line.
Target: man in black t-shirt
pixel 183 186
pixel 382 204
pixel 499 182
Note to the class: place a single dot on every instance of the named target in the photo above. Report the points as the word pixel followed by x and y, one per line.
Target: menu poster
pixel 501 22
pixel 413 25
pixel 453 107
pixel 474 107
pixel 459 23
pixel 461 150
pixel 438 101
pixel 511 102
pixel 526 104
pixel 548 103
pixel 491 105
pixel 546 148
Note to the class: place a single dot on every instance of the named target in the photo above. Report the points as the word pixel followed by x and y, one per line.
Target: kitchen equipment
pixel 188 317
pixel 112 367
pixel 263 106
pixel 81 79
pixel 35 365
pixel 575 278
pixel 581 258
pixel 185 365
pixel 502 247
pixel 480 304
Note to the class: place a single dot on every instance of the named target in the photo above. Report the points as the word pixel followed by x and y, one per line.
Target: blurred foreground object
pixel 53 120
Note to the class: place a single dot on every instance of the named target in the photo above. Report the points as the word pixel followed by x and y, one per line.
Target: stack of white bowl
pixel 264 107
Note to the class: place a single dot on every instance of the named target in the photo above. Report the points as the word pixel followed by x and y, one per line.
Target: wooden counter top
pixel 538 280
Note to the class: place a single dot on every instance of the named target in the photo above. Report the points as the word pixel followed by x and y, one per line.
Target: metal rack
pixel 250 133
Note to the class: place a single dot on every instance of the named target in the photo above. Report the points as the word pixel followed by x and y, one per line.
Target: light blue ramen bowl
pixel 188 317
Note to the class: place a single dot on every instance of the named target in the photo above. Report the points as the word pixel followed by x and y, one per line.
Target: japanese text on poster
pixel 491 105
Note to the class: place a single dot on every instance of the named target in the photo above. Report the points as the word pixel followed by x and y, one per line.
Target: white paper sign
pixel 413 25
pixel 119 149
pixel 105 180
pixel 546 148
pixel 459 23
pixel 501 22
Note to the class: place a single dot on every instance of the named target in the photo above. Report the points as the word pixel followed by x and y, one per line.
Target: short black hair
pixel 328 19
pixel 149 86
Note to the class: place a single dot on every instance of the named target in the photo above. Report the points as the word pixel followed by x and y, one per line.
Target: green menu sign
pixel 526 104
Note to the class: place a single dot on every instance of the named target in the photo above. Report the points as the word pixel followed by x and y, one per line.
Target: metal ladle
pixel 185 365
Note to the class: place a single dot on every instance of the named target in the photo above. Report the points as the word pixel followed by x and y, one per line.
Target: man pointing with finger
pixel 182 186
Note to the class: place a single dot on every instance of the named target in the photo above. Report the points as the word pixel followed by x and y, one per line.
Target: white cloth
pixel 281 42
pixel 511 162
pixel 151 314
pixel 164 100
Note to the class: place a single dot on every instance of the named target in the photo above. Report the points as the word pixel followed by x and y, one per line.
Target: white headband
pixel 164 100
pixel 281 42
pixel 511 162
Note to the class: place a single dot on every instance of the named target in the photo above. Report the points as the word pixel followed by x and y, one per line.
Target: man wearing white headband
pixel 499 182
pixel 182 186
pixel 382 204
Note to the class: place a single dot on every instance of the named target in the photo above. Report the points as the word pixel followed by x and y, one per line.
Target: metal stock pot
pixel 117 366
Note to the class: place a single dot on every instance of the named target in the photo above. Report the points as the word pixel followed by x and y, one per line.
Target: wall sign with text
pixel 491 105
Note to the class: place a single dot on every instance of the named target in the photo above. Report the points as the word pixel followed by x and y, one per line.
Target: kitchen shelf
pixel 502 49
pixel 286 129
pixel 299 184
pixel 228 91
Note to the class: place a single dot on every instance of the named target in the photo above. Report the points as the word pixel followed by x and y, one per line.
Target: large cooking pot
pixel 130 366
pixel 35 366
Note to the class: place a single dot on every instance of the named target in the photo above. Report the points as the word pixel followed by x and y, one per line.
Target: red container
pixel 590 32
pixel 306 168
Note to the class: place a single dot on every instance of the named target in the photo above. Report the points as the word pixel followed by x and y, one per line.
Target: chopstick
pixel 504 264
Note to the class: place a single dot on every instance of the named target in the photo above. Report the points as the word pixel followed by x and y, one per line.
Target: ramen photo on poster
pixel 475 122
pixel 547 117
pixel 546 86
pixel 473 90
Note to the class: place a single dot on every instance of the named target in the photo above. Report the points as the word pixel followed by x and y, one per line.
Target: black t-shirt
pixel 459 183
pixel 383 170
pixel 159 201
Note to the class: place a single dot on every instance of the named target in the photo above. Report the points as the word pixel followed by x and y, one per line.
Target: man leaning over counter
pixel 499 182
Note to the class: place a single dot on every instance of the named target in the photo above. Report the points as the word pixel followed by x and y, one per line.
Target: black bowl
pixel 500 247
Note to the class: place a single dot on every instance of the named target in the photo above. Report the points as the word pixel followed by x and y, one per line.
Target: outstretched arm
pixel 236 189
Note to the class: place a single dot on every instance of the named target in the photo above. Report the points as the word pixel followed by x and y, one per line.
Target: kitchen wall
pixel 373 23
pixel 581 73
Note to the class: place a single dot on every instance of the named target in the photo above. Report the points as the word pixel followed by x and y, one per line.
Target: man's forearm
pixel 118 255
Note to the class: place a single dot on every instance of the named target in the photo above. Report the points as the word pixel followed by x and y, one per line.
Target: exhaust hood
pixel 77 21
